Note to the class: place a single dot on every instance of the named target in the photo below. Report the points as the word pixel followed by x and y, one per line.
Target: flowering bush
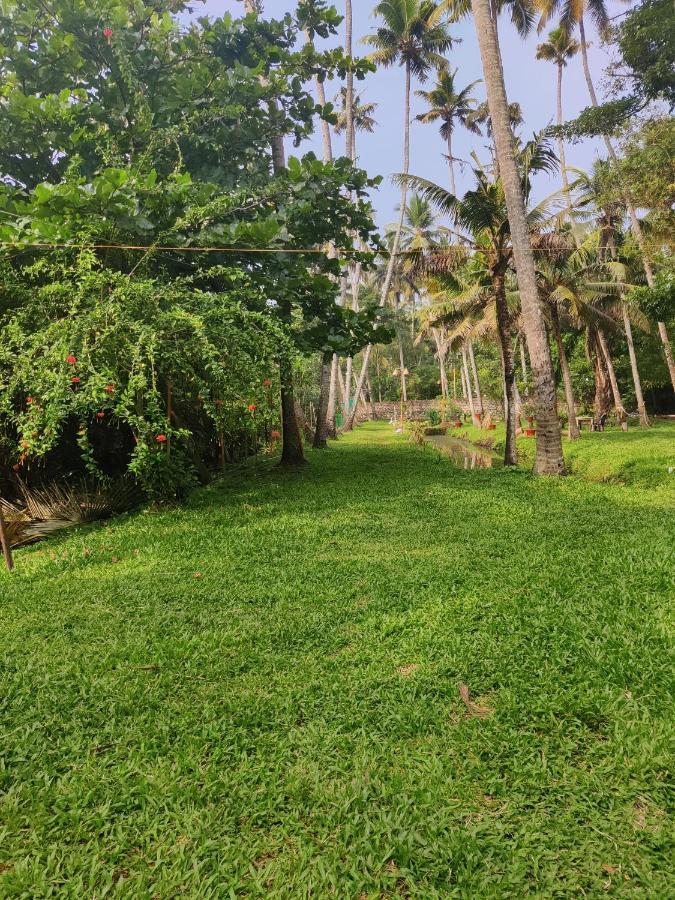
pixel 162 372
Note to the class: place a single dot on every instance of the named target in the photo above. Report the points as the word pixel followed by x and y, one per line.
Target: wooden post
pixel 4 539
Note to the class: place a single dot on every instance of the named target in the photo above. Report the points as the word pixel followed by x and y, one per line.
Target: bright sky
pixel 529 81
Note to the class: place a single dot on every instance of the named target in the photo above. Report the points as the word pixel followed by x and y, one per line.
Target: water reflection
pixel 464 455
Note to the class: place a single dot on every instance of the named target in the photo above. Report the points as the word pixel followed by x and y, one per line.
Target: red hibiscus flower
pixel 252 407
pixel 70 359
pixel 160 438
pixel 29 400
pixel 107 34
pixel 100 414
pixel 75 380
pixel 109 388
pixel 267 382
pixel 276 435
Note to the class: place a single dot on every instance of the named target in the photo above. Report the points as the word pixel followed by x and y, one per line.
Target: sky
pixel 529 81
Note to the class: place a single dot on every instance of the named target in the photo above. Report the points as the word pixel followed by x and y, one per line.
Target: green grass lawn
pixel 637 457
pixel 256 694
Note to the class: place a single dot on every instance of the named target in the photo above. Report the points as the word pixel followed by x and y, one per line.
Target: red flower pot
pixel 491 427
pixel 530 432
pixel 458 424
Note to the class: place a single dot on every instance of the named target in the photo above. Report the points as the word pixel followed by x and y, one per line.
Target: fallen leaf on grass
pixel 610 870
pixel 407 670
pixel 197 575
pixel 474 709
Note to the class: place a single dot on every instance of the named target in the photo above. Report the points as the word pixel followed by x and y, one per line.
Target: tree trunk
pixel 549 457
pixel 371 396
pixel 332 398
pixel 4 540
pixel 632 213
pixel 291 453
pixel 399 227
pixel 523 364
pixel 469 392
pixel 561 151
pixel 572 427
pixel 474 371
pixel 618 402
pixel 508 371
pixel 642 409
pixel 602 400
pixel 347 391
pixel 349 81
pixel 321 430
pixel 462 380
pixel 451 163
pixel 667 349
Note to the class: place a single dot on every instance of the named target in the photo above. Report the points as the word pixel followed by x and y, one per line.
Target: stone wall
pixel 419 409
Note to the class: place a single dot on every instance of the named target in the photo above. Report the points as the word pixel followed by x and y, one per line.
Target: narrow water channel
pixel 464 455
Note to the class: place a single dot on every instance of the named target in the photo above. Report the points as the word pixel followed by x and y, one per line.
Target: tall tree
pixel 363 116
pixel 414 35
pixel 558 49
pixel 482 214
pixel 549 457
pixel 449 105
pixel 572 14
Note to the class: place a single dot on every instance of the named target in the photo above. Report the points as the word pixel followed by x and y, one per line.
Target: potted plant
pixel 454 412
pixel 528 409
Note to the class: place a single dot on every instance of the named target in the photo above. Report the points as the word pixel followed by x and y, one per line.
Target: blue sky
pixel 529 81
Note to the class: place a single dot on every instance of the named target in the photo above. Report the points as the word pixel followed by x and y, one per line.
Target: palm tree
pixel 549 456
pixel 362 116
pixel 608 219
pixel 482 213
pixel 449 105
pixel 412 34
pixel 572 13
pixel 560 48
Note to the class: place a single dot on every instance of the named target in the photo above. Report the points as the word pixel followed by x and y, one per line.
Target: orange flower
pixel 70 359
pixel 252 407
pixel 160 438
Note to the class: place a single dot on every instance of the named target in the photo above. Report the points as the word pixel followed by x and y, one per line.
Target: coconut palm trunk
pixel 474 372
pixel 523 364
pixel 572 427
pixel 549 457
pixel 561 151
pixel 332 397
pixel 441 353
pixel 467 382
pixel 616 394
pixel 451 164
pixel 508 371
pixel 642 409
pixel 603 392
pixel 636 228
pixel 399 226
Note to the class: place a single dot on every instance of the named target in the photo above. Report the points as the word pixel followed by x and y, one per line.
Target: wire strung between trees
pixel 19 245
pixel 150 248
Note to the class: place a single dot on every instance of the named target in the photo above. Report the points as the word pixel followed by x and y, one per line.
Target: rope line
pixel 18 245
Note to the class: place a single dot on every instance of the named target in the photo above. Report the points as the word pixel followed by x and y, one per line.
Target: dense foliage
pixel 130 142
